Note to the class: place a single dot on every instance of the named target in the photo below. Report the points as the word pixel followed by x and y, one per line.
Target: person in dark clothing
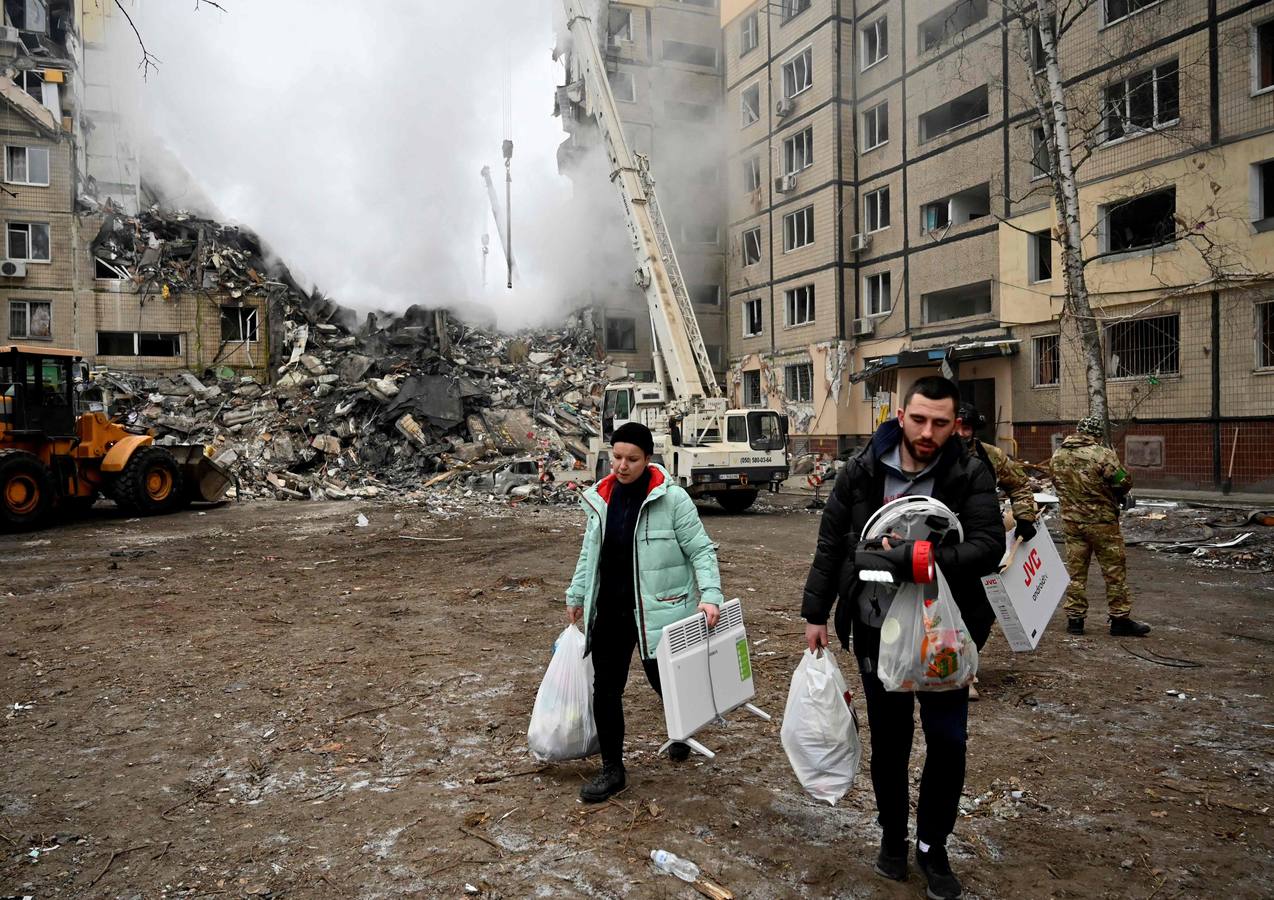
pixel 914 455
pixel 645 563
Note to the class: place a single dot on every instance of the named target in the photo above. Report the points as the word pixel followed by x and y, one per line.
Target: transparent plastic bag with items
pixel 924 644
pixel 562 725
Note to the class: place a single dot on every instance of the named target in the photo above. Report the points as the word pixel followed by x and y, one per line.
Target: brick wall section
pixel 1187 452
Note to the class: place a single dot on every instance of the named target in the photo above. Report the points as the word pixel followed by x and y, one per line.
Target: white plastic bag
pixel 820 731
pixel 924 644
pixel 562 725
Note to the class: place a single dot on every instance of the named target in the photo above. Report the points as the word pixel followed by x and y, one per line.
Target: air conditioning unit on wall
pixel 13 268
pixel 785 184
pixel 859 242
pixel 9 35
pixel 784 107
pixel 864 327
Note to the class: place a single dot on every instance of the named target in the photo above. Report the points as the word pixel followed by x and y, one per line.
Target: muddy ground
pixel 267 700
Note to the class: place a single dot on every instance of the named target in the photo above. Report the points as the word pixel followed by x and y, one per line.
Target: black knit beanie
pixel 636 434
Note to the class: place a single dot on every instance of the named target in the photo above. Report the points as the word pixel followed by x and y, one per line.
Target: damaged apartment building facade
pixel 887 219
pixel 664 61
pixel 81 268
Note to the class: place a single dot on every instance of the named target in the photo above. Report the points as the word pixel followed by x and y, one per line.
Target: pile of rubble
pixel 1213 537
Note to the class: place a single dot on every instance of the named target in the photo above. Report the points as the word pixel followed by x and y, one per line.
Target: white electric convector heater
pixel 705 673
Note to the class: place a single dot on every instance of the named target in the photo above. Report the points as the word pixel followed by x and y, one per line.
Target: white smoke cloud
pixel 350 137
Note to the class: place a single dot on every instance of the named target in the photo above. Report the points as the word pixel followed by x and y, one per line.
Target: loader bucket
pixel 204 479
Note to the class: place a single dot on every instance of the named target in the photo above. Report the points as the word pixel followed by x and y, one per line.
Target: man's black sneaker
pixel 1075 625
pixel 1123 626
pixel 609 781
pixel 678 751
pixel 892 860
pixel 941 881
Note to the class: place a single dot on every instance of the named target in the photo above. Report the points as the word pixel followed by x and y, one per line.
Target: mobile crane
pixel 711 449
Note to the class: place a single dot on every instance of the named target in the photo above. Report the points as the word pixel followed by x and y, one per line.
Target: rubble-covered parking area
pixel 269 700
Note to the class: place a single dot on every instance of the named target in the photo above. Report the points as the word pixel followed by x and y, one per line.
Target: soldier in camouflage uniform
pixel 1009 475
pixel 1091 485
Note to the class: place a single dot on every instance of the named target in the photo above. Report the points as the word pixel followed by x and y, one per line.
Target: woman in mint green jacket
pixel 646 562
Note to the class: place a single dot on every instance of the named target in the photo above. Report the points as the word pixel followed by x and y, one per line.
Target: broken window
pixel 798 229
pixel 1040 255
pixel 134 343
pixel 957 303
pixel 957 209
pixel 952 20
pixel 1144 102
pixel 798 152
pixel 751 317
pixel 29 241
pixel 624 86
pixel 1144 347
pixel 1122 9
pixel 1047 360
pixel 879 299
pixel 1145 221
pixel 752 246
pixel 876 126
pixel 621 334
pixel 706 294
pixel 876 209
pixel 26 165
pixel 793 8
pixel 1038 61
pixel 1264 57
pixel 749 34
pixel 619 26
pixel 798 383
pixel 798 74
pixel 690 54
pixel 700 234
pixel 751 103
pixel 800 305
pixel 1041 159
pixel 752 174
pixel 875 42
pixel 31 319
pixel 1263 194
pixel 1265 335
pixel 752 388
pixel 31 81
pixel 239 324
pixel 28 15
pixel 954 114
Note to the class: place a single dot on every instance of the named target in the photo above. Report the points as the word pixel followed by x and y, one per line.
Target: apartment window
pixel 688 112
pixel 752 174
pixel 875 42
pixel 799 304
pixel 1263 193
pixel 798 75
pixel 26 165
pixel 1146 101
pixel 952 20
pixel 752 388
pixel 1041 159
pixel 624 86
pixel 619 26
pixel 700 234
pixel 1122 9
pixel 954 114
pixel 690 54
pixel 1040 255
pixel 958 209
pixel 752 317
pixel 752 247
pixel 798 383
pixel 798 152
pixel 793 8
pixel 621 334
pixel 876 209
pixel 31 15
pixel 31 81
pixel 705 294
pixel 876 126
pixel 1144 347
pixel 29 241
pixel 138 343
pixel 104 269
pixel 239 324
pixel 1145 221
pixel 1263 64
pixel 749 34
pixel 31 319
pixel 751 102
pixel 957 303
pixel 1038 61
pixel 798 229
pixel 1265 335
pixel 1047 358
pixel 879 298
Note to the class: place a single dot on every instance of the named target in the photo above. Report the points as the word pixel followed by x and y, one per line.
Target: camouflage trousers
pixel 1107 542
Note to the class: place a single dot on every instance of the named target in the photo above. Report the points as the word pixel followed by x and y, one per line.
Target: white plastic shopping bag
pixel 924 643
pixel 820 732
pixel 562 725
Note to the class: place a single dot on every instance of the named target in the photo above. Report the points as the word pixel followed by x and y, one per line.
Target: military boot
pixel 1124 626
pixel 1075 625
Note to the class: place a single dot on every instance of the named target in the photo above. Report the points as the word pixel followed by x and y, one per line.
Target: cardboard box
pixel 1027 590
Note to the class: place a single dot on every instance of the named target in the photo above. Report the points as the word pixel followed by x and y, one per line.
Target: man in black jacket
pixel 914 455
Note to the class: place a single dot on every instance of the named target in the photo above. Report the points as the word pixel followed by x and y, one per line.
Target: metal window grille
pixel 1048 369
pixel 752 388
pixel 1265 335
pixel 798 382
pixel 885 382
pixel 1144 347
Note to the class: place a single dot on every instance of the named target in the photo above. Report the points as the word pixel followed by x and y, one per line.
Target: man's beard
pixel 917 454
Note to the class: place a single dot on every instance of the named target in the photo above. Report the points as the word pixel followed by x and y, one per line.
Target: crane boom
pixel 686 365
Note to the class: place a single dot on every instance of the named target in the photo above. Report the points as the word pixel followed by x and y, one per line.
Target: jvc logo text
pixel 1032 566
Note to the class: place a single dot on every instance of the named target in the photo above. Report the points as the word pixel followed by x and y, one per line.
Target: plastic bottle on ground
pixel 671 864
